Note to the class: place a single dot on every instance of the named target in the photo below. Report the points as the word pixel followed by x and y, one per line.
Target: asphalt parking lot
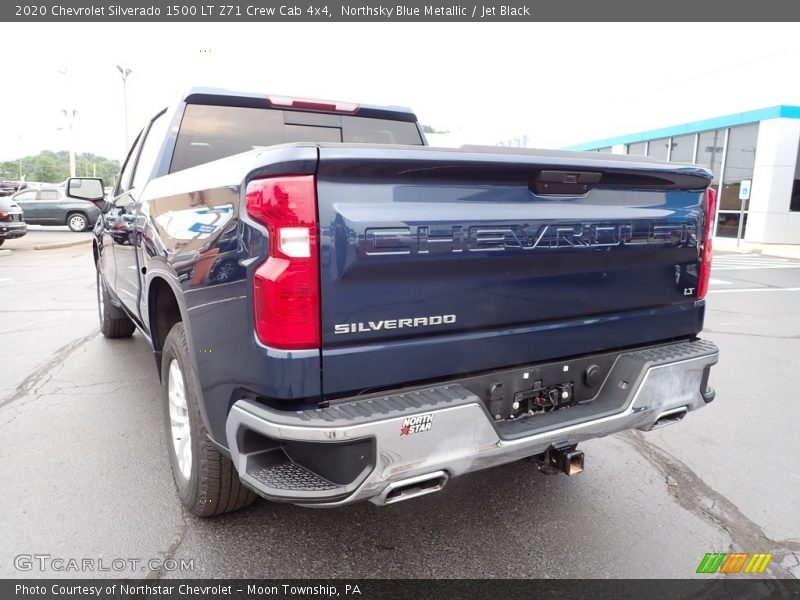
pixel 84 470
pixel 39 236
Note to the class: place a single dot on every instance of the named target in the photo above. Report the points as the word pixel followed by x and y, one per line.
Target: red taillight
pixel 286 285
pixel 704 271
pixel 310 104
pixel 3 215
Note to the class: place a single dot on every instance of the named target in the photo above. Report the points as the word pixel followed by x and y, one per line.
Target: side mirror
pixel 87 188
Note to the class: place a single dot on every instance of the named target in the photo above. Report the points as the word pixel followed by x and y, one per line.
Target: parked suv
pixel 50 206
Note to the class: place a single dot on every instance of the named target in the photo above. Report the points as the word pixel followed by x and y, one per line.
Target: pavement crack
pixel 42 373
pixel 758 335
pixel 697 497
pixel 170 552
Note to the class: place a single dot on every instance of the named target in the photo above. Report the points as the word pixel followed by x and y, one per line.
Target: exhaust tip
pixel 412 488
pixel 670 417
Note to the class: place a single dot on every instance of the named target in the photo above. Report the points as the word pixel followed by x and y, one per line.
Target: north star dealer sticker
pixel 417 424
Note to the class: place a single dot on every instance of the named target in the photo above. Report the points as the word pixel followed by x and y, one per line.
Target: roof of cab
pixel 225 97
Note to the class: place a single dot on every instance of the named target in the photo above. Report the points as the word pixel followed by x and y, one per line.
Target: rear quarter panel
pixel 188 220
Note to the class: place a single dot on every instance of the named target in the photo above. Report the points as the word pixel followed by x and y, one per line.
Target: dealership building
pixel 754 159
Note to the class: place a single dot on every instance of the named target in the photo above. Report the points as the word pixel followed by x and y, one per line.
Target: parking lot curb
pixel 60 245
pixel 4 252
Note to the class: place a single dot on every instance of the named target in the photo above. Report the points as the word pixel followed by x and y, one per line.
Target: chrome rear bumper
pixel 416 440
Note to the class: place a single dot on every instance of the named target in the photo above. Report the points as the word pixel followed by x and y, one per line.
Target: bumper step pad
pixel 376 407
pixel 290 476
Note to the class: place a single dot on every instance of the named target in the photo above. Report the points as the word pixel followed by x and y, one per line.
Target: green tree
pixel 53 167
pixel 9 170
pixel 46 168
pixel 107 169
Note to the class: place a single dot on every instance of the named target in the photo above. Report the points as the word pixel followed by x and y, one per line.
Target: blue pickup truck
pixel 339 313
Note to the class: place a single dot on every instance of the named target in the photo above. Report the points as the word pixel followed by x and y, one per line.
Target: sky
pixel 555 84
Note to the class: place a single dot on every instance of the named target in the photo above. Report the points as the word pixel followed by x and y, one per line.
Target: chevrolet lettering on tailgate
pixel 477 238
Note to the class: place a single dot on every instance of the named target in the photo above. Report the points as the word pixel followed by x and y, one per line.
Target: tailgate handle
pixel 563 183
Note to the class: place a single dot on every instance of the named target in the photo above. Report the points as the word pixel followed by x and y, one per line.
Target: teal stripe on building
pixel 743 118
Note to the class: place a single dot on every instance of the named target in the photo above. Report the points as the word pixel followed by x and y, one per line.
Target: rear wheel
pixel 207 481
pixel 1 241
pixel 113 322
pixel 77 222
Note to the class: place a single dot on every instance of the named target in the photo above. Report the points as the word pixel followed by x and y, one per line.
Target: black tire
pixel 77 221
pixel 211 485
pixel 1 241
pixel 114 323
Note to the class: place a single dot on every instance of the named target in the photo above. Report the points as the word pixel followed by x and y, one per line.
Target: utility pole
pixel 70 114
pixel 20 159
pixel 125 73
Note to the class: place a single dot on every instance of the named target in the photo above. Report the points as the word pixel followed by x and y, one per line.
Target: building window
pixel 658 149
pixel 637 149
pixel 710 145
pixel 739 161
pixel 794 203
pixel 683 149
pixel 728 223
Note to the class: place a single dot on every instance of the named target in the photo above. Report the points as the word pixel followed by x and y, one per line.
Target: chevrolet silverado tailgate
pixel 438 262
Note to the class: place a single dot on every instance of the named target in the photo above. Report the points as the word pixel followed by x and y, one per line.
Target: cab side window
pixel 126 174
pixel 149 153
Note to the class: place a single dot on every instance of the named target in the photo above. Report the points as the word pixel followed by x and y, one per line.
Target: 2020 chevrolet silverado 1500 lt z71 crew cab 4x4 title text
pixel 339 313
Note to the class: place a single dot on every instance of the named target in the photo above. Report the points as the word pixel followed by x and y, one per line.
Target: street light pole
pixel 125 73
pixel 69 114
pixel 20 159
